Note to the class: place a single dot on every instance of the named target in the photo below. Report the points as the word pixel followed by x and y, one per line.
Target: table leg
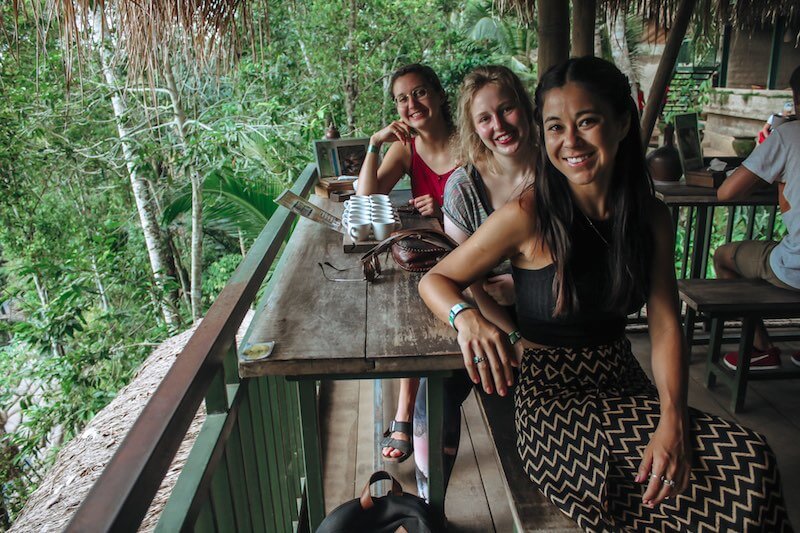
pixel 699 244
pixel 714 345
pixel 743 364
pixel 435 429
pixel 312 451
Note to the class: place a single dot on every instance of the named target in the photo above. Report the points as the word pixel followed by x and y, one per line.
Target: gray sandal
pixel 405 446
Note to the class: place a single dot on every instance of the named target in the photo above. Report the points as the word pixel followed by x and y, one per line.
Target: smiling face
pixel 581 134
pixel 499 120
pixel 417 103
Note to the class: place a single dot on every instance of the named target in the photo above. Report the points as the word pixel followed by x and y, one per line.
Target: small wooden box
pixel 705 178
pixel 325 186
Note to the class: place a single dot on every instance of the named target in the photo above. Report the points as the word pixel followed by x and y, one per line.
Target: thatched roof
pixel 81 461
pixel 744 14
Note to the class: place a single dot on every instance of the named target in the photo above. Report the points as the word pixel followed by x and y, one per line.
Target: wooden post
pixel 584 13
pixel 665 68
pixel 722 79
pixel 775 53
pixel 553 33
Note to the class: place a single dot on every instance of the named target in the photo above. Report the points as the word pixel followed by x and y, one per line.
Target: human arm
pixel 500 288
pixel 739 185
pixel 379 177
pixel 490 309
pixel 668 453
pixel 501 236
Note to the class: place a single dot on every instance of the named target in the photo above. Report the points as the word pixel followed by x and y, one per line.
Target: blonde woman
pixel 497 139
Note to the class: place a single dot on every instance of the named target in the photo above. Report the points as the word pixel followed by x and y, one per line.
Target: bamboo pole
pixel 665 68
pixel 553 33
pixel 584 13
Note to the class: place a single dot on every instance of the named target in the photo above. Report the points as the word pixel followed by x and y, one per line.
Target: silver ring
pixel 667 482
pixel 477 359
pixel 656 476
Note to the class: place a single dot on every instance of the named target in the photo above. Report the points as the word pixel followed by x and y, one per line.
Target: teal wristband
pixel 456 309
pixel 514 337
pixel 372 149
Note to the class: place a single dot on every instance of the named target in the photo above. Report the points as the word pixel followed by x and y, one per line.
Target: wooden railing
pixel 245 471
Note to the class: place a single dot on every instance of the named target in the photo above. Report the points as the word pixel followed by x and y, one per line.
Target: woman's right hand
pixel 481 340
pixel 396 131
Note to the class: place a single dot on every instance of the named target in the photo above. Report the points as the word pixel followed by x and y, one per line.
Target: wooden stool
pixel 750 300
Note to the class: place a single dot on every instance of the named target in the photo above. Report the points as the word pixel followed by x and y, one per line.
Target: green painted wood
pixel 435 430
pixel 183 503
pixel 236 477
pixel 296 439
pixel 222 498
pixel 205 520
pixel 272 456
pixel 250 466
pixel 257 421
pixel 309 418
pixel 230 363
pixel 217 394
pixel 278 423
pixel 289 399
pixel 722 79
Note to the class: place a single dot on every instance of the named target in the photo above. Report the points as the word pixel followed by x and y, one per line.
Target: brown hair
pixel 431 79
pixel 470 147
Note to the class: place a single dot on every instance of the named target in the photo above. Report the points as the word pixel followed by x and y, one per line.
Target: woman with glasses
pixel 589 244
pixel 420 148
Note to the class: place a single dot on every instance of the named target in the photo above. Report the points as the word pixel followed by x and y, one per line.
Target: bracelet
pixel 514 337
pixel 372 149
pixel 456 309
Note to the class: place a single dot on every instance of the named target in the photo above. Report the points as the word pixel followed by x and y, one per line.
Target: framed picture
pixel 340 157
pixel 689 141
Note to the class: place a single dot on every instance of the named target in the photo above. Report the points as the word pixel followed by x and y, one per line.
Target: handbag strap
pixel 431 236
pixel 366 496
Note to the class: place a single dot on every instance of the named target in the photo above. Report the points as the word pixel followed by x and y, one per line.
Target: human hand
pixel 396 131
pixel 666 458
pixel 501 289
pixel 482 341
pixel 426 206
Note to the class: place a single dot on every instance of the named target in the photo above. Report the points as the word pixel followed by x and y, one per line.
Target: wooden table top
pixel 324 327
pixel 681 194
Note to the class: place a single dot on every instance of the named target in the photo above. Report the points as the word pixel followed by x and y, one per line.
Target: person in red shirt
pixel 420 148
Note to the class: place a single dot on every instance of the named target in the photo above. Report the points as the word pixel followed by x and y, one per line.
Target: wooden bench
pixel 531 510
pixel 750 300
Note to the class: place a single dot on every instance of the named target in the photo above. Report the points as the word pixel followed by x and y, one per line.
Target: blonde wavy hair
pixel 469 146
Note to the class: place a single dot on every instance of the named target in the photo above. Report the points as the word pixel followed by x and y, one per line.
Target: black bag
pixel 395 512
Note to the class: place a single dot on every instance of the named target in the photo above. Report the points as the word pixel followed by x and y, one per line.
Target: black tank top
pixel 594 323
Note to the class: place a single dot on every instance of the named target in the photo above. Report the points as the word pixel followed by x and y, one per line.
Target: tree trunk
pixel 598 37
pixel 197 197
pixel 350 81
pixel 553 33
pixel 619 49
pixel 665 68
pixel 583 20
pixel 152 234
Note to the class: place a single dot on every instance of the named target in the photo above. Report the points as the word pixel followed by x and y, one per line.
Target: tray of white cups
pixel 367 220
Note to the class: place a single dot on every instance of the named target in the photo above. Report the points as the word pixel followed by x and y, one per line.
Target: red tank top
pixel 424 180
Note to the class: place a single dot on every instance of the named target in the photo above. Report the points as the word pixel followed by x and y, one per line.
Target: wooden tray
pixel 407 221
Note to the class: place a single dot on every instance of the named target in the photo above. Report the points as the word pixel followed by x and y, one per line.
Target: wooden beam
pixel 722 79
pixel 775 53
pixel 553 33
pixel 665 68
pixel 584 14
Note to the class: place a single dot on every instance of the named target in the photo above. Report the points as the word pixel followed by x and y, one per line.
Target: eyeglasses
pixel 416 94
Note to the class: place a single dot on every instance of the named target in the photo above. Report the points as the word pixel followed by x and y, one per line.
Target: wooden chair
pixel 750 300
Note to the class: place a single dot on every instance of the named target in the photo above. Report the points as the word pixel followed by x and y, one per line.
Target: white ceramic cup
pixel 359 229
pixel 383 227
pixel 382 212
pixel 380 198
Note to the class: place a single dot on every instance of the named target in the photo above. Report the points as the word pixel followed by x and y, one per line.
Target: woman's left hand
pixel 426 206
pixel 666 459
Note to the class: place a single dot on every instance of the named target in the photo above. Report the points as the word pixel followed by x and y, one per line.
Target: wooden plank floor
pixel 476 499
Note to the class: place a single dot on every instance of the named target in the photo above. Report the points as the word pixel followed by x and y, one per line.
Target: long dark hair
pixel 630 191
pixel 431 79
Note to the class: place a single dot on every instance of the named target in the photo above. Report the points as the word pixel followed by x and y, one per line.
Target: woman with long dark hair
pixel 421 142
pixel 588 245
